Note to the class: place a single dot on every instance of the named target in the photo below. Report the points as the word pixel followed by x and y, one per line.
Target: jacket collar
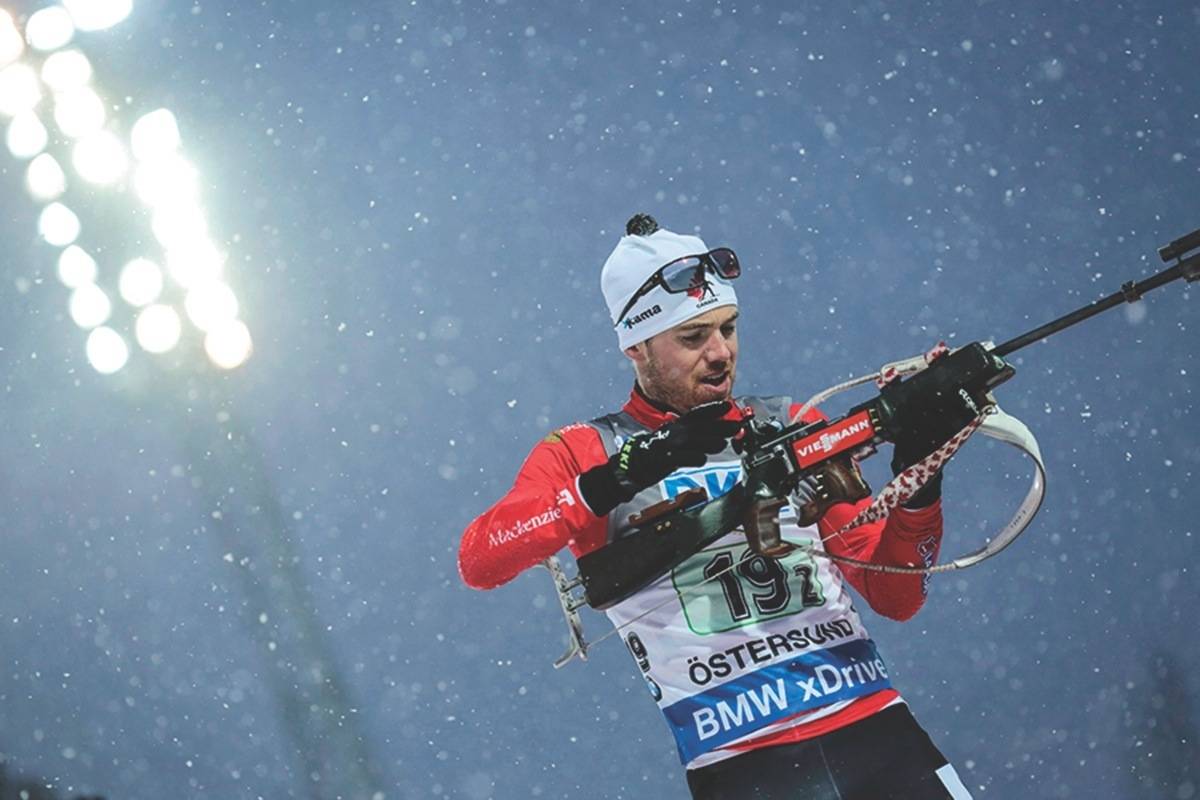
pixel 653 414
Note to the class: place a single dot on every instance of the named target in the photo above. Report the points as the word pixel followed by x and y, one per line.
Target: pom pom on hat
pixel 641 225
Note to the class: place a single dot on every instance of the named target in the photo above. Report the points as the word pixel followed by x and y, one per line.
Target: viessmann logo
pixel 834 439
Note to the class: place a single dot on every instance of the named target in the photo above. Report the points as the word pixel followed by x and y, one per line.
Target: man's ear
pixel 636 353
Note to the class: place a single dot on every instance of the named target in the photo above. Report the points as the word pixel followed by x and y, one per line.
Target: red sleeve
pixel 906 538
pixel 541 514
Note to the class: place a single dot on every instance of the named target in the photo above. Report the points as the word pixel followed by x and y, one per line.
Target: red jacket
pixel 543 512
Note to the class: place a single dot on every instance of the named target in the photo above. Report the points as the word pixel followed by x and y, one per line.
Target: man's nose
pixel 718 349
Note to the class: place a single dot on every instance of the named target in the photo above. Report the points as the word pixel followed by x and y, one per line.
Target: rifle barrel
pixel 1129 293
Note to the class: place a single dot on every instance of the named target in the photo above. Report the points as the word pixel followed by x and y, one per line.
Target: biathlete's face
pixel 693 363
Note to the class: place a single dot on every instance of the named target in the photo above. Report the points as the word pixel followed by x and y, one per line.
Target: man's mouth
pixel 716 379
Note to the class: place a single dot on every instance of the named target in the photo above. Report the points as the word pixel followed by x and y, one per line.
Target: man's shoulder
pixel 568 433
pixel 577 445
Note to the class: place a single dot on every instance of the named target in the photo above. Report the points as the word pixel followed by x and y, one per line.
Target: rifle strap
pixel 995 424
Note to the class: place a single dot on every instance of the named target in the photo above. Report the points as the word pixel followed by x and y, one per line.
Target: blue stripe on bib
pixel 737 708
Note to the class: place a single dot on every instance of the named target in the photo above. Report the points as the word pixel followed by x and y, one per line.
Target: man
pixel 767 677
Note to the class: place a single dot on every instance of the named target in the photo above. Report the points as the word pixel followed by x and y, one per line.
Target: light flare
pixel 89 306
pixel 158 328
pixel 58 225
pixel 11 43
pixel 96 15
pixel 155 136
pixel 26 136
pixel 45 178
pixel 141 282
pixel 66 70
pixel 164 181
pixel 209 304
pixel 106 350
pixel 19 89
pixel 100 158
pixel 228 344
pixel 191 266
pixel 179 226
pixel 49 28
pixel 76 267
pixel 79 111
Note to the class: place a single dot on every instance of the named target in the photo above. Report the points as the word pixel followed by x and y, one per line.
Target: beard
pixel 679 390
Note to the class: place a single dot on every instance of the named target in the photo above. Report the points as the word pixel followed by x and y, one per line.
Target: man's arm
pixel 568 486
pixel 541 514
pixel 908 537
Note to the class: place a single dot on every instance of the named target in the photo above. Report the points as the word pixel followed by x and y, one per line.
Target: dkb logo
pixel 716 479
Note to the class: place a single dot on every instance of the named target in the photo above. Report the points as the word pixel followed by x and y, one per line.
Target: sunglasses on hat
pixel 687 273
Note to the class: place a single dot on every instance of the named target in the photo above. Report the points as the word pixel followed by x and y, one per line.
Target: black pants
pixel 887 756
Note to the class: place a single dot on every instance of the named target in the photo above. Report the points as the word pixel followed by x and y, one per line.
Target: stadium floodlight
pixel 158 328
pixel 228 344
pixel 58 225
pixel 106 350
pixel 45 178
pixel 141 282
pixel 79 111
pixel 210 303
pixel 155 136
pixel 96 15
pixel 100 158
pixel 49 28
pixel 76 267
pixel 198 263
pixel 19 90
pixel 27 136
pixel 66 70
pixel 11 43
pixel 89 306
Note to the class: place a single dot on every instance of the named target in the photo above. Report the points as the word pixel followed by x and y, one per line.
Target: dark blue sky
pixel 417 198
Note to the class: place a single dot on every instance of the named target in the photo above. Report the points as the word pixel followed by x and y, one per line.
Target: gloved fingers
pixel 689 457
pixel 726 428
pixel 806 490
pixel 802 496
pixel 709 442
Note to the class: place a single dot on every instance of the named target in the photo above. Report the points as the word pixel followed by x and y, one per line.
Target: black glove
pixel 646 458
pixel 925 424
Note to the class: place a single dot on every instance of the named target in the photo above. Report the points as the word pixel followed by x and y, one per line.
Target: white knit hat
pixel 633 261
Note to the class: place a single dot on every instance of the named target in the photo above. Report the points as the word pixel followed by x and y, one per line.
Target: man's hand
pixel 647 457
pixel 927 423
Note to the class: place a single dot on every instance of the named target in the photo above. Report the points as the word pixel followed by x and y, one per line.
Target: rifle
pixel 776 456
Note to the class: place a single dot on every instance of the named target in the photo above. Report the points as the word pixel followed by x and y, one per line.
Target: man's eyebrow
pixel 696 326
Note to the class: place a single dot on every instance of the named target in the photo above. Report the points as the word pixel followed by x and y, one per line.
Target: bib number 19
pixel 757 588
